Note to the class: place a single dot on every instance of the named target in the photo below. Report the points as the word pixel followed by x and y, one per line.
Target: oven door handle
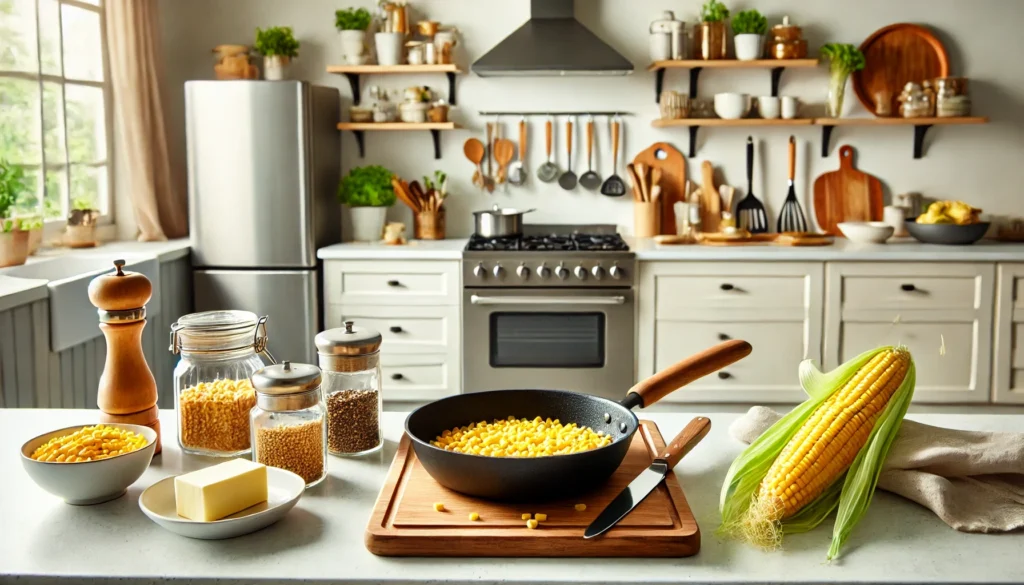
pixel 480 300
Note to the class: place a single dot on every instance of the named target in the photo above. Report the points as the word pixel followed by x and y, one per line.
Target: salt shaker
pixel 350 360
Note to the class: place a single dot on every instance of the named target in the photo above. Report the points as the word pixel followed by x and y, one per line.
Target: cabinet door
pixel 392 282
pixel 1008 355
pixel 942 312
pixel 418 378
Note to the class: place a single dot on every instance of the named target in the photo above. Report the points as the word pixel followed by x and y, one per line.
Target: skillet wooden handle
pixel 686 440
pixel 692 368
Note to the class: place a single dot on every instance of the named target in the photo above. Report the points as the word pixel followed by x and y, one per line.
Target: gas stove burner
pixel 550 243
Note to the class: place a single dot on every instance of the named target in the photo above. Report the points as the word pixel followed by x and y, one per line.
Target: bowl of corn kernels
pixel 89 464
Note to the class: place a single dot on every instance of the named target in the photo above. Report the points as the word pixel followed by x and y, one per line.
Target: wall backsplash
pixel 976 163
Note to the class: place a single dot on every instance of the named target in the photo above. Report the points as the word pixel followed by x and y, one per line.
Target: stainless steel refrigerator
pixel 263 166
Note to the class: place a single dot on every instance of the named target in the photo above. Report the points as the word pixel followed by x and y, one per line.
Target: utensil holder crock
pixel 429 225
pixel 646 218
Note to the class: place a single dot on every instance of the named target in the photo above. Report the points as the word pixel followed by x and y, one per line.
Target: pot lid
pixel 348 340
pixel 496 210
pixel 286 378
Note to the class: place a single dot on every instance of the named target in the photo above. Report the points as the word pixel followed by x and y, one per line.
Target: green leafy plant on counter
pixel 31 222
pixel 713 11
pixel 439 183
pixel 9 224
pixel 277 41
pixel 13 186
pixel 368 186
pixel 352 19
pixel 749 22
pixel 844 58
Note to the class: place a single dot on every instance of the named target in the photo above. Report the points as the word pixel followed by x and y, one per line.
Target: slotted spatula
pixel 750 212
pixel 791 217
pixel 613 185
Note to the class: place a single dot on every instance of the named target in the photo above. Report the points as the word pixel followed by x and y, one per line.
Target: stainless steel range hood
pixel 552 43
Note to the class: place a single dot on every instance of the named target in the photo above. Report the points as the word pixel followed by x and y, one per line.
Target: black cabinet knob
pixel 724 375
pixel 394 283
pixel 908 287
pixel 395 329
pixel 723 337
pixel 397 376
pixel 727 286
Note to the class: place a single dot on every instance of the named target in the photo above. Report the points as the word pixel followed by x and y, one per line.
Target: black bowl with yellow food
pixel 949 234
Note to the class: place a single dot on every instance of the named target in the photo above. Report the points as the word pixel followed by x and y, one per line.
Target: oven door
pixel 562 339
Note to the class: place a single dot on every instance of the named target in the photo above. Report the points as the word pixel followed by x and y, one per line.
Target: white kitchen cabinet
pixel 941 311
pixel 686 307
pixel 392 282
pixel 1008 351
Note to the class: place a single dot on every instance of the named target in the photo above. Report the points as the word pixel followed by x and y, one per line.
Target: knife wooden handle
pixel 686 440
pixel 692 368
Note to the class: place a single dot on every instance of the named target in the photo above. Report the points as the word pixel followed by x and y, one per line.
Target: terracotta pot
pixel 80 236
pixel 709 40
pixel 13 248
pixel 35 239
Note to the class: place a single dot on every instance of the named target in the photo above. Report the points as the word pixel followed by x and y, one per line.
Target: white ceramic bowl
pixel 866 232
pixel 732 106
pixel 769 107
pixel 284 489
pixel 89 482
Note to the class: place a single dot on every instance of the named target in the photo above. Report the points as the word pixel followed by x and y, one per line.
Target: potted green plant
pixel 13 239
pixel 278 47
pixel 81 230
pixel 709 34
pixel 33 224
pixel 367 193
pixel 352 24
pixel 843 59
pixel 748 28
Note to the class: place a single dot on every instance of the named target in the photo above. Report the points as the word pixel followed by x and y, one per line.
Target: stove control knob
pixel 598 272
pixel 580 272
pixel 543 271
pixel 615 272
pixel 523 272
pixel 498 271
pixel 479 271
pixel 561 272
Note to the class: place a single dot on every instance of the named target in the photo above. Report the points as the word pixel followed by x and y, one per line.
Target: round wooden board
pixel 896 54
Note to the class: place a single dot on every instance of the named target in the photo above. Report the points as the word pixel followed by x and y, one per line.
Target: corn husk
pixel 850 493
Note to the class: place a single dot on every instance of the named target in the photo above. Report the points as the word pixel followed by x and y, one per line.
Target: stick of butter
pixel 220 490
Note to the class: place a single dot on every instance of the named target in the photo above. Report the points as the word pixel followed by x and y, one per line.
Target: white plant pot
pixel 275 67
pixel 748 46
pixel 389 47
pixel 367 223
pixel 353 46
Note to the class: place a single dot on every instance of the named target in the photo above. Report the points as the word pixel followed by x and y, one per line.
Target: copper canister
pixel 709 40
pixel 788 41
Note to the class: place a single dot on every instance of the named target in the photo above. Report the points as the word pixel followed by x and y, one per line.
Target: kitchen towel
pixel 973 481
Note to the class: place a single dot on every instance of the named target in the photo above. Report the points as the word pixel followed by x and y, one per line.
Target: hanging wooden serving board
pixel 893 56
pixel 673 179
pixel 846 195
pixel 404 522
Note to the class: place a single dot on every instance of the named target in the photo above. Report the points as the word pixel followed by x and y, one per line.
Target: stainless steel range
pixel 552 308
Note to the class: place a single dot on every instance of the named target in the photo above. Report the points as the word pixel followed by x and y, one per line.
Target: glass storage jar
pixel 350 360
pixel 212 392
pixel 289 422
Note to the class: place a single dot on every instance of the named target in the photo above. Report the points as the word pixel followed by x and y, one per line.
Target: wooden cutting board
pixel 673 179
pixel 404 522
pixel 846 195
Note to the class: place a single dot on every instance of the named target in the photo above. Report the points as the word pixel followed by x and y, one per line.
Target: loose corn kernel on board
pixel 405 523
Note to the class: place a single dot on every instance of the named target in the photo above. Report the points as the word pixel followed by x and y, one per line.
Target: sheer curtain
pixel 155 181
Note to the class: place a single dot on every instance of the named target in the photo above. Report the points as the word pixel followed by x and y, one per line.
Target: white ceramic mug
pixel 768 107
pixel 790 107
pixel 389 47
pixel 896 216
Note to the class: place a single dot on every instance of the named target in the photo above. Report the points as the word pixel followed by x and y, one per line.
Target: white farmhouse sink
pixel 73 319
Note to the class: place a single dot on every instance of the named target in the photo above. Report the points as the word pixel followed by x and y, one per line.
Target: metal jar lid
pixel 348 348
pixel 287 386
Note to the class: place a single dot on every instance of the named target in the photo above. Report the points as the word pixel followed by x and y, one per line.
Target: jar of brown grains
pixel 350 360
pixel 212 393
pixel 289 422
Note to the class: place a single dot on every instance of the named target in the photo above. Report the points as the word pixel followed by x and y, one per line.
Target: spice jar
pixel 350 359
pixel 212 391
pixel 289 427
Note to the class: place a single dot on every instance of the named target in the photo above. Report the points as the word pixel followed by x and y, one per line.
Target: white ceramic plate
pixel 284 489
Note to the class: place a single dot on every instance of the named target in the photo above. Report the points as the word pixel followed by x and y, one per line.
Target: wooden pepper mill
pixel 127 390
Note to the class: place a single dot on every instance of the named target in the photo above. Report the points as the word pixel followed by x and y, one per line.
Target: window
pixel 55 117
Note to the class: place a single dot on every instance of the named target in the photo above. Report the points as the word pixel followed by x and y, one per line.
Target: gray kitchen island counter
pixel 321 540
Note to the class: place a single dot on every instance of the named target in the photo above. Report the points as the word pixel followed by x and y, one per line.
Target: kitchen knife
pixel 649 479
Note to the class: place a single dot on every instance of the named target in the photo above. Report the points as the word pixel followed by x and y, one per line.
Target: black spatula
pixel 750 212
pixel 791 217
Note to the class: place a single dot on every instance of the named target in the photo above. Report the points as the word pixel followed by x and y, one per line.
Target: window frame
pixel 52 227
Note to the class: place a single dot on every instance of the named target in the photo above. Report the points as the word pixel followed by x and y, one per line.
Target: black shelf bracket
pixel 693 140
pixel 451 88
pixel 776 76
pixel 659 81
pixel 694 78
pixel 919 131
pixel 361 142
pixel 353 80
pixel 436 134
pixel 826 136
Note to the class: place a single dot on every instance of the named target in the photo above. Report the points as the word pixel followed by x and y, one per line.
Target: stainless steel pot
pixel 496 222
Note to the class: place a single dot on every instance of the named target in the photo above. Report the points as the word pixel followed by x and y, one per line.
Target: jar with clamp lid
pixel 350 360
pixel 289 422
pixel 213 395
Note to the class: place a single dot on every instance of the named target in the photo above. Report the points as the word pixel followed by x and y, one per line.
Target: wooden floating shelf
pixel 742 122
pixel 921 126
pixel 777 66
pixel 352 72
pixel 360 128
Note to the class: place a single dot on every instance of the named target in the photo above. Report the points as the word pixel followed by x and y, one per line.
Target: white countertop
pixel 15 292
pixel 321 540
pixel 415 250
pixel 843 250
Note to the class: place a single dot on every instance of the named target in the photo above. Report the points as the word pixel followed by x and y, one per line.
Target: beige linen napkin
pixel 973 481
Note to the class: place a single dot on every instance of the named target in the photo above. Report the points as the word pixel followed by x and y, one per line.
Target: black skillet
pixel 538 478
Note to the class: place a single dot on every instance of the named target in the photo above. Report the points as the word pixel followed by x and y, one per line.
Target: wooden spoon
pixel 474 150
pixel 504 152
pixel 711 201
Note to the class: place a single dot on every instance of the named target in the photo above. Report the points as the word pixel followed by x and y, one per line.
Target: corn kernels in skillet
pixel 513 437
pixel 473 516
pixel 580 507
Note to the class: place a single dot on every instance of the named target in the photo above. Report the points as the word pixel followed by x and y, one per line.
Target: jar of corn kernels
pixel 213 394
